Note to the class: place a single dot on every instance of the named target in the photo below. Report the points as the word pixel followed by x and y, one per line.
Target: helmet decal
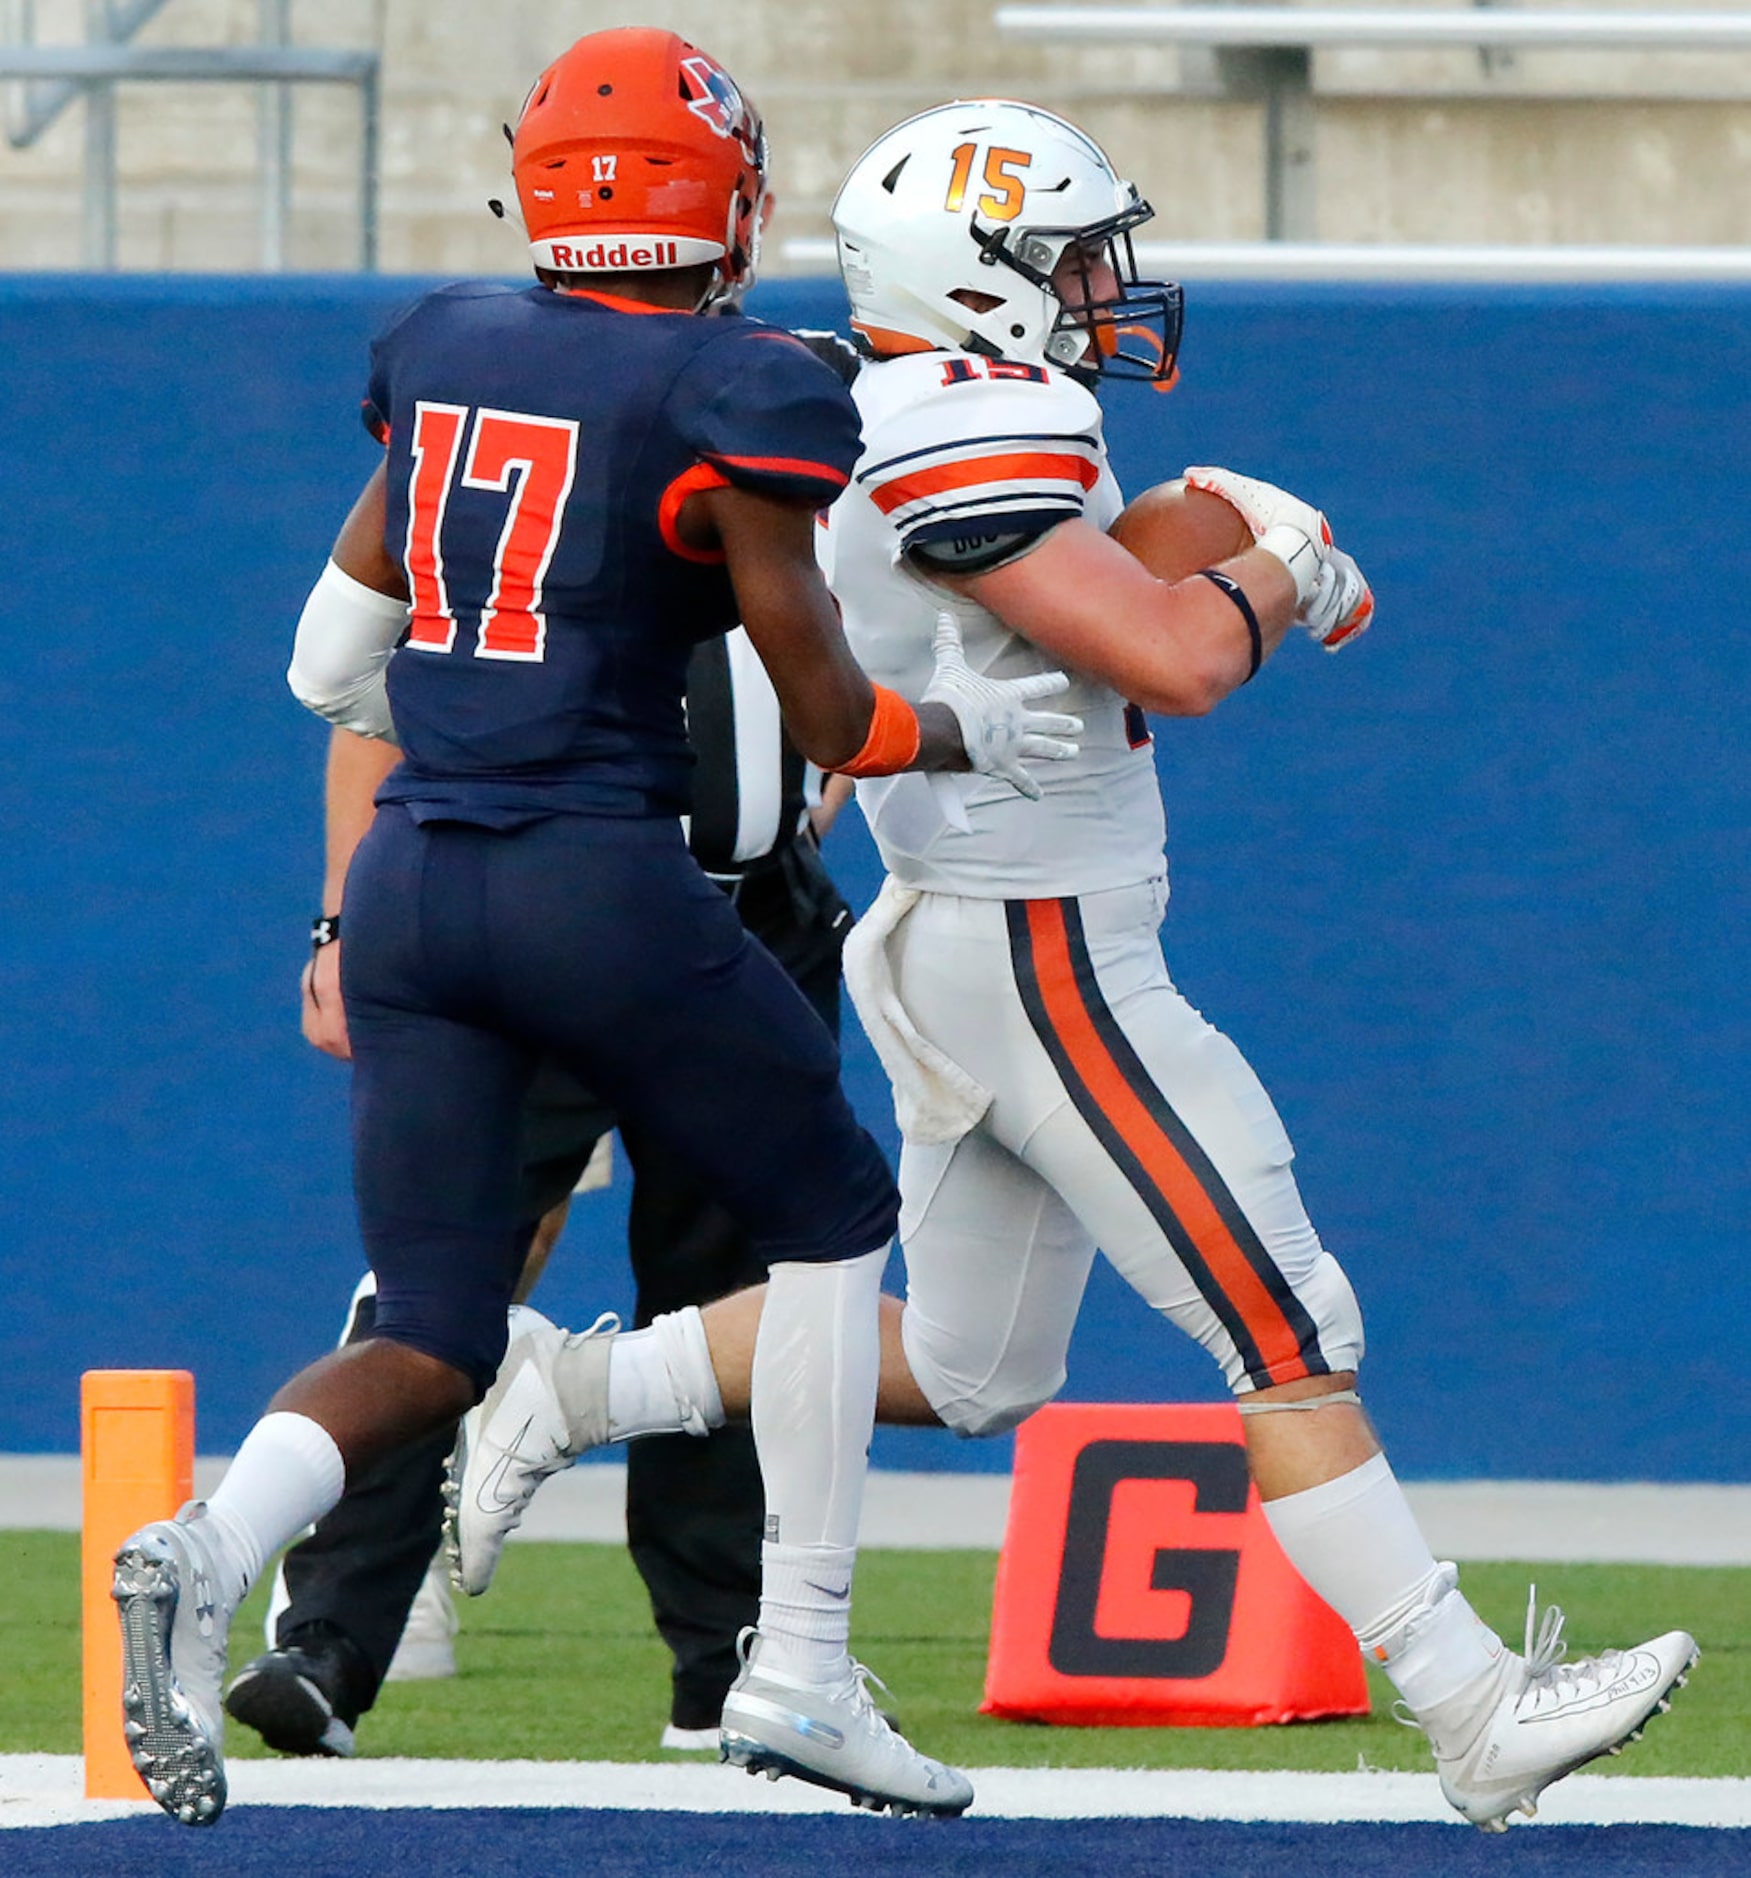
pixel 1003 192
pixel 712 96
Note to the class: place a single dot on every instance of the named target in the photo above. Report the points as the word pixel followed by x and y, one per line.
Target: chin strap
pixel 721 294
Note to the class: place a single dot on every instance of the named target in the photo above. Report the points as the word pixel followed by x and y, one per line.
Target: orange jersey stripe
pixel 1017 466
pixel 787 466
pixel 1278 1345
pixel 690 482
pixel 617 301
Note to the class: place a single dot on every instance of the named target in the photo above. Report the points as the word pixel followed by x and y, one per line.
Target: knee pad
pixel 975 1418
pixel 972 1408
pixel 1337 1317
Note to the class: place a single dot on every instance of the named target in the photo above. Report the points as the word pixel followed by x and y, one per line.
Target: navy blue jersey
pixel 541 445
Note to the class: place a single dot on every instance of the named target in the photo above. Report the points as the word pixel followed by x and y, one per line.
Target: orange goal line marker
pixel 137 1462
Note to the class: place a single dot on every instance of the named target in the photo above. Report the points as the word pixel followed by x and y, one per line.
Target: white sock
pixel 660 1380
pixel 816 1362
pixel 287 1474
pixel 805 1610
pixel 1357 1543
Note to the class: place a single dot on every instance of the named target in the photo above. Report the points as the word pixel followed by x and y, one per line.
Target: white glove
pixel 1293 530
pixel 1342 605
pixel 997 727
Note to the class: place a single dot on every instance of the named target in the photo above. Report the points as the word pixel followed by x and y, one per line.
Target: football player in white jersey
pixel 1056 1094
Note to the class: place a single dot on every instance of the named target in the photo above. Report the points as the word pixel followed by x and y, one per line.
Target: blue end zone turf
pixel 474 1843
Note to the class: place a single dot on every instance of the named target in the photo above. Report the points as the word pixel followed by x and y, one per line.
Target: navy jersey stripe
pixel 972 447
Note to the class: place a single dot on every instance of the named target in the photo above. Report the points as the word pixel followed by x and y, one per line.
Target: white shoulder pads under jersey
pixel 957 446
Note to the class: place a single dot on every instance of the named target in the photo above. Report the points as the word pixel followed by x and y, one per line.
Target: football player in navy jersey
pixel 583 480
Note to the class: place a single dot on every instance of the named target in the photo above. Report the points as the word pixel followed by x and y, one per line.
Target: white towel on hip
pixel 935 1100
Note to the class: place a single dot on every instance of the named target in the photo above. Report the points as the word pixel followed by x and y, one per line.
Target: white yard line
pixel 1561 1521
pixel 47 1790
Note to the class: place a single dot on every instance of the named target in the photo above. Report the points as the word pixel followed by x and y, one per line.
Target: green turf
pixel 560 1662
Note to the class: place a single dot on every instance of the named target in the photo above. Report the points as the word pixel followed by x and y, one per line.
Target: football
pixel 1174 530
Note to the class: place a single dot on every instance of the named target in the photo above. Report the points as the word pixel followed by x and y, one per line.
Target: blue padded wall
pixel 1470 896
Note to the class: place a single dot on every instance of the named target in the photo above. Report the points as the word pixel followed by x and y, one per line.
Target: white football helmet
pixel 979 201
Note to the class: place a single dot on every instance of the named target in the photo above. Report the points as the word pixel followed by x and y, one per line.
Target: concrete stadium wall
pixel 1471 896
pixel 1650 148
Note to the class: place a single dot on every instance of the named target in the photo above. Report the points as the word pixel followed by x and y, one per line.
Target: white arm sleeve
pixel 345 636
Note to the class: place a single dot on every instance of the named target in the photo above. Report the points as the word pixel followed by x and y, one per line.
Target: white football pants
pixel 1120 1119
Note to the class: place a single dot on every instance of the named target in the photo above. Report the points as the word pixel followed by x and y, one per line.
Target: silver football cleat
pixel 173 1664
pixel 835 1738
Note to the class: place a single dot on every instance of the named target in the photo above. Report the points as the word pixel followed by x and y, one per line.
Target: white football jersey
pixel 957 448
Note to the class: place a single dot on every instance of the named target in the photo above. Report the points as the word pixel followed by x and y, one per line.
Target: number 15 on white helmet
pixel 994 227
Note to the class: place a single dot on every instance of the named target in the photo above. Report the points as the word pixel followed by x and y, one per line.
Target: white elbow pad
pixel 345 636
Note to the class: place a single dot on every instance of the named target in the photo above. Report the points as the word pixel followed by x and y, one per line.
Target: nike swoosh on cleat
pixel 489 1498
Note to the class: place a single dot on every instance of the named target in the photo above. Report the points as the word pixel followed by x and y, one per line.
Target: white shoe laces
pixel 606 1324
pixel 862 1678
pixel 1548 1674
pixel 1545 1654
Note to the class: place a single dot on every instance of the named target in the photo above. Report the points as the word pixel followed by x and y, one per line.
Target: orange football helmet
pixel 636 151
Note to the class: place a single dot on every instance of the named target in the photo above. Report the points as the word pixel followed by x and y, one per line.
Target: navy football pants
pixel 472 951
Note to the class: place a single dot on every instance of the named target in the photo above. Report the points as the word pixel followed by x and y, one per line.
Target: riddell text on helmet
pixel 617 256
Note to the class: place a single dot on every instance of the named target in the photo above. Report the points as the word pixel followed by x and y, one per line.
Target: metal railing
pixel 1380 260
pixel 105 20
pixel 1383 26
pixel 1264 54
pixel 59 76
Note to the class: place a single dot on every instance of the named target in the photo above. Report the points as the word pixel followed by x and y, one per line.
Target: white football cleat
pixel 427 1650
pixel 1539 1717
pixel 832 1737
pixel 174 1628
pixel 519 1434
pixel 689 1740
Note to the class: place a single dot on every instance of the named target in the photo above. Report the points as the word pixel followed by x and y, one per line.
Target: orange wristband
pixel 893 738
